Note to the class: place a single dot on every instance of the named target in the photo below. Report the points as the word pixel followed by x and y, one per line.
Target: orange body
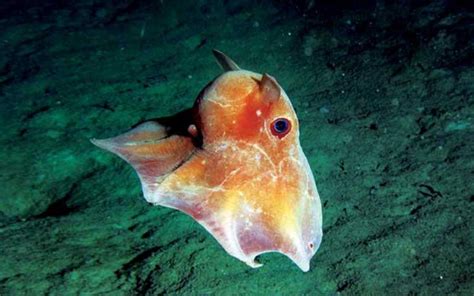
pixel 247 180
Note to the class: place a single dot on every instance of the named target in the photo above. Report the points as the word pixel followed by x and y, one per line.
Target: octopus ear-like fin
pixel 224 61
pixel 151 151
pixel 269 88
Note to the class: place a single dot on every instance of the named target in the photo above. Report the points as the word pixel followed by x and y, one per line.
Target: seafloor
pixel 384 94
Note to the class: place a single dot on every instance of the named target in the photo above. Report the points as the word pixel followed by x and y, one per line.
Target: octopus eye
pixel 280 127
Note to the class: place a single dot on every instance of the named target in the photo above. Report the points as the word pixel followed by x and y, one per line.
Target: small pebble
pixel 324 110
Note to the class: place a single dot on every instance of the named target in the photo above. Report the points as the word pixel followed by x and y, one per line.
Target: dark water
pixel 384 95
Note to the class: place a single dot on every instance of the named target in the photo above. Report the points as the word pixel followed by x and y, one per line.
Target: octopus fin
pixel 224 61
pixel 270 88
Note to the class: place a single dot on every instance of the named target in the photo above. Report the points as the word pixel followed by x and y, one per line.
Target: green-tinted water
pixel 384 95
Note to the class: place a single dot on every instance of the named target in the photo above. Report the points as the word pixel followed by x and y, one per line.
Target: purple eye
pixel 280 127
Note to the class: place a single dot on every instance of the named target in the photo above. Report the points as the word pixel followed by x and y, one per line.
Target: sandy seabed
pixel 384 94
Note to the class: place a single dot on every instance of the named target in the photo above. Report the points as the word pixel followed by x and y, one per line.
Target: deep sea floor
pixel 384 94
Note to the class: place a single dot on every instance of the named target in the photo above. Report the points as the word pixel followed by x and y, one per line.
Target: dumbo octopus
pixel 234 163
